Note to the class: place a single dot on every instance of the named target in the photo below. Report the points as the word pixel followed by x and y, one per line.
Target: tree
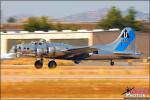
pixel 59 26
pixel 36 24
pixel 32 24
pixel 113 19
pixel 130 17
pixel 73 27
pixel 43 24
pixel 11 20
pixel 130 20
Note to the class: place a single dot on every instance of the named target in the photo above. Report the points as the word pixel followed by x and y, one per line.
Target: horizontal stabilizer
pixel 123 53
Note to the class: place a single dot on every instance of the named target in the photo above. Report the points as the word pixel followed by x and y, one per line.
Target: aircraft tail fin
pixel 125 39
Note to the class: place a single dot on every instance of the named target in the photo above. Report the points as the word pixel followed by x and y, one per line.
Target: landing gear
pixel 112 63
pixel 52 64
pixel 38 64
pixel 76 61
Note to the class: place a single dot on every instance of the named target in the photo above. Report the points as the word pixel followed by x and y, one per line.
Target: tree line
pixel 113 19
pixel 42 23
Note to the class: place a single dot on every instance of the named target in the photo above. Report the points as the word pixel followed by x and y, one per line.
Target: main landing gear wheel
pixel 112 63
pixel 38 64
pixel 52 64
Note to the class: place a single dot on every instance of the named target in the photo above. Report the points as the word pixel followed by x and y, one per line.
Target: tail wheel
pixel 52 64
pixel 112 63
pixel 38 64
pixel 76 61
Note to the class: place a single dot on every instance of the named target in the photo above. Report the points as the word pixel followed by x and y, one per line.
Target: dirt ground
pixel 24 81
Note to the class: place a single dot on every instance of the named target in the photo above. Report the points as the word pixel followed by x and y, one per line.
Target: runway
pixel 71 82
pixel 29 73
pixel 67 77
pixel 61 99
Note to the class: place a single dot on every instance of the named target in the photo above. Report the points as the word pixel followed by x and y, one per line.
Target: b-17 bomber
pixel 118 49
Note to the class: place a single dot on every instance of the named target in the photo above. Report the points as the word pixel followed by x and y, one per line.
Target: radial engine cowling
pixel 39 51
pixel 54 51
pixel 50 51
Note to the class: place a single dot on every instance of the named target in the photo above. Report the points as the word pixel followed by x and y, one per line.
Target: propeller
pixel 16 49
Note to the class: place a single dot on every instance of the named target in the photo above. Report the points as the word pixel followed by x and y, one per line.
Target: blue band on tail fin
pixel 126 37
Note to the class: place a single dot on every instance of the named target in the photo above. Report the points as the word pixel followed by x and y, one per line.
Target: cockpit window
pixel 40 43
pixel 19 47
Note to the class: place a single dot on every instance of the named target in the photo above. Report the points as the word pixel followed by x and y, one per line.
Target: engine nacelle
pixel 51 49
pixel 55 51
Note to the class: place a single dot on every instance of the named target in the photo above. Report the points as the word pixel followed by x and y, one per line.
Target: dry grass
pixel 70 88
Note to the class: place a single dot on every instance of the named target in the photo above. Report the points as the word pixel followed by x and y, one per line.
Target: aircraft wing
pixel 83 50
pixel 78 52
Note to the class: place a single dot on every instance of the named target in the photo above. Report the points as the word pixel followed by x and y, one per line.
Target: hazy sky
pixel 59 9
